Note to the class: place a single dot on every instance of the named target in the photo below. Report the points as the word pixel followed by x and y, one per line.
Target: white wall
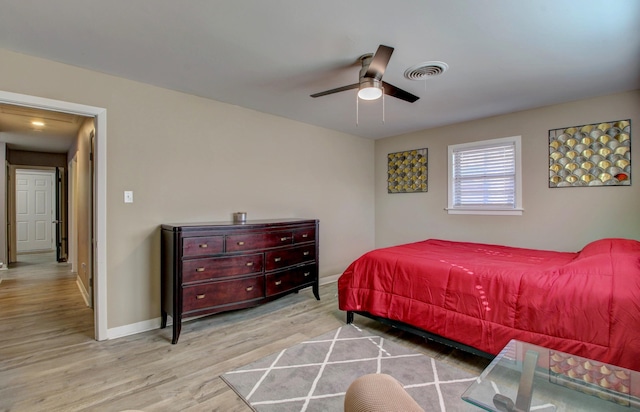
pixel 559 218
pixel 190 159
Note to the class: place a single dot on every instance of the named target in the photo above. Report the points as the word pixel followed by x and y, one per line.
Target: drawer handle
pixel 249 263
pixel 277 259
pixel 305 236
pixel 305 253
pixel 240 243
pixel 199 296
pixel 278 282
pixel 249 289
pixel 284 239
pixel 199 269
pixel 204 246
pixel 306 274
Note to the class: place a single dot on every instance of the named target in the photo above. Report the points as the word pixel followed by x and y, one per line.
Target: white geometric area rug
pixel 314 375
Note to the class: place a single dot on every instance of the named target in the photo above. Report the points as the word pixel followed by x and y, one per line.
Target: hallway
pixel 41 306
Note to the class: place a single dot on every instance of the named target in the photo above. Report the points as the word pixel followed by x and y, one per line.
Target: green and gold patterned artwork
pixel 407 171
pixel 597 154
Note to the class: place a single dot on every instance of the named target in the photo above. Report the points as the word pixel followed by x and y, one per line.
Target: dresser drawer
pixel 194 270
pixel 279 282
pixel 202 245
pixel 304 235
pixel 282 258
pixel 221 293
pixel 253 241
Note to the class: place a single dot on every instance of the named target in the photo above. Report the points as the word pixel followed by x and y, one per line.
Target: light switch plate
pixel 128 196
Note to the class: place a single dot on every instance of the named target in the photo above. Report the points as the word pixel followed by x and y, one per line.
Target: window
pixel 485 177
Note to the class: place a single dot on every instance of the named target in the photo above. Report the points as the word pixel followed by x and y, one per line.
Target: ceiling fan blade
pixel 379 62
pixel 392 90
pixel 337 90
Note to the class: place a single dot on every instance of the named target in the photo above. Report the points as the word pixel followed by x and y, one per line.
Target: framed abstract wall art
pixel 597 154
pixel 407 171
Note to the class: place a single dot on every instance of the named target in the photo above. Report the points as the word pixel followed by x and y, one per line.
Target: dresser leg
pixel 316 290
pixel 163 323
pixel 177 326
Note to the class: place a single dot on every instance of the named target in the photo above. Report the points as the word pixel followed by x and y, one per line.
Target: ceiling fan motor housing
pixel 369 82
pixel 370 88
pixel 365 60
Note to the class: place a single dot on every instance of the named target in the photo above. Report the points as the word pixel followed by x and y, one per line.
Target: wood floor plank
pixel 49 360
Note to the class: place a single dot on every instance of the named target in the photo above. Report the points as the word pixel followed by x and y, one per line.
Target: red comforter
pixel 585 303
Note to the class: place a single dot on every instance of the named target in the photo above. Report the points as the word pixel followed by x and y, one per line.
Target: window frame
pixel 517 209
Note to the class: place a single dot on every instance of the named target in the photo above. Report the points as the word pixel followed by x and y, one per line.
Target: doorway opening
pixel 97 212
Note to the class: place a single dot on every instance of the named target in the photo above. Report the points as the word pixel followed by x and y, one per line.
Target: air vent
pixel 425 71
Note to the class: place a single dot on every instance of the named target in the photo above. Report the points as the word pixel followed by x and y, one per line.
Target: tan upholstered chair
pixel 378 392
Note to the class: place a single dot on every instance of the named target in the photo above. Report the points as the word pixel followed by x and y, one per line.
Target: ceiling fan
pixel 370 84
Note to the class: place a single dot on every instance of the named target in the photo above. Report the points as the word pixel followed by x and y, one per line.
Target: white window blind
pixel 484 176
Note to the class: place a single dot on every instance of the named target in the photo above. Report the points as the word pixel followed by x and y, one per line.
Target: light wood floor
pixel 49 360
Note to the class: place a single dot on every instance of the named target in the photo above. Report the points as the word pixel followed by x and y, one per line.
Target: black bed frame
pixel 420 332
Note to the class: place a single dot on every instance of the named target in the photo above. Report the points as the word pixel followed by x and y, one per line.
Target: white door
pixel 34 215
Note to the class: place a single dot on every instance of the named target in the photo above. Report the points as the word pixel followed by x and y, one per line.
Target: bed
pixel 477 296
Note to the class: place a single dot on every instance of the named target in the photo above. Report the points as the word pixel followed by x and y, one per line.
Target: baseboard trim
pixel 329 279
pixel 83 290
pixel 133 328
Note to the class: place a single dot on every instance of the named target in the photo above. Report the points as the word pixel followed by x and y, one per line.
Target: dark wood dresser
pixel 215 267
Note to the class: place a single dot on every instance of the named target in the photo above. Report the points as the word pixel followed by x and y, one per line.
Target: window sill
pixel 484 211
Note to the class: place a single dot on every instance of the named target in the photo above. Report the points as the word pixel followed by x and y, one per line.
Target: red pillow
pixel 609 246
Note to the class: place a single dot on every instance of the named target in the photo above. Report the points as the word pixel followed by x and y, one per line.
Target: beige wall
pixel 190 159
pixel 82 202
pixel 559 218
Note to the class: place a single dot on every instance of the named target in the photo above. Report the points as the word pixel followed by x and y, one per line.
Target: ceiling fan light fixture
pixel 370 89
pixel 370 93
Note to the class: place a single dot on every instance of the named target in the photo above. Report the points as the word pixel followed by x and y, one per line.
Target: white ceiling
pixel 503 55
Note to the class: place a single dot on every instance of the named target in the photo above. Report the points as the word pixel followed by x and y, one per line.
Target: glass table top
pixel 526 377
